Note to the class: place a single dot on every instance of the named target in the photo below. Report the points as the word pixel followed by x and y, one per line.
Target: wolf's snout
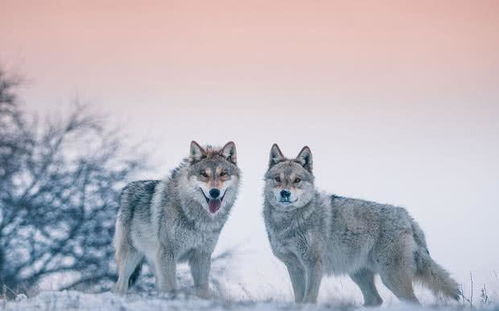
pixel 285 194
pixel 214 193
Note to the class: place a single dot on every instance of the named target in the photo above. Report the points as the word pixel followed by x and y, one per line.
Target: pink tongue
pixel 214 205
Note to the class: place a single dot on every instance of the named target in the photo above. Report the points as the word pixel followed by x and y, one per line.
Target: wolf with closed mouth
pixel 176 219
pixel 314 234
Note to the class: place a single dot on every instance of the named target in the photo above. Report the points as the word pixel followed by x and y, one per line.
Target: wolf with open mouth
pixel 176 219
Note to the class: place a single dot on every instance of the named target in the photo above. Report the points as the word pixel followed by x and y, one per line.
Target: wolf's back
pixel 135 199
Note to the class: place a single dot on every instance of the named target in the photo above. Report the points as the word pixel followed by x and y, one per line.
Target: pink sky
pixel 399 100
pixel 253 45
pixel 362 58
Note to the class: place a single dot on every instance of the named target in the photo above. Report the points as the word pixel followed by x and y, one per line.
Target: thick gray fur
pixel 170 221
pixel 318 234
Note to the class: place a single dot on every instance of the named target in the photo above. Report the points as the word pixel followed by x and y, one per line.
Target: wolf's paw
pixel 118 290
pixel 169 293
pixel 203 292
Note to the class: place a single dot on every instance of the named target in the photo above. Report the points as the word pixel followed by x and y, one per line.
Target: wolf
pixel 177 219
pixel 314 234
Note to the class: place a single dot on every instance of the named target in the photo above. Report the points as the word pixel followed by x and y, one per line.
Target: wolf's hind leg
pixel 128 258
pixel 364 278
pixel 399 281
pixel 152 268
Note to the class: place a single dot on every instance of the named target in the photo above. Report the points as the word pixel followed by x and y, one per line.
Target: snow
pixel 233 288
pixel 73 300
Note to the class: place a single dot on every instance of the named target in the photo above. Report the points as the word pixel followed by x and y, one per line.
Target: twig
pixel 7 289
pixel 471 290
pixel 483 296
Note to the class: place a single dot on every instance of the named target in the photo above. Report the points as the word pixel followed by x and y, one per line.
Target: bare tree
pixel 59 187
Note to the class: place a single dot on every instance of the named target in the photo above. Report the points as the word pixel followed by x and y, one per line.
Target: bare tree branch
pixel 59 186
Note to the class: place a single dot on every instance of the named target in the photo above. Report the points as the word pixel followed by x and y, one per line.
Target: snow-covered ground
pixel 234 290
pixel 73 300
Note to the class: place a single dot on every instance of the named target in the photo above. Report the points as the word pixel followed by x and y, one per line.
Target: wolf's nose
pixel 285 194
pixel 214 193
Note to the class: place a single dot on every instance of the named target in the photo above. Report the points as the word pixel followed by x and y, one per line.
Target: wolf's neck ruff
pixel 290 219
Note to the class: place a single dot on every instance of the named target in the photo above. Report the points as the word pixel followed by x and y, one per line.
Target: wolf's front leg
pixel 296 274
pixel 313 272
pixel 166 268
pixel 200 264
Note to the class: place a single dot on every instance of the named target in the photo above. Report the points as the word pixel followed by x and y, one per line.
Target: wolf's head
pixel 289 183
pixel 213 176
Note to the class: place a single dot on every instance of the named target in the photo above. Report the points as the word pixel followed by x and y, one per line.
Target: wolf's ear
pixel 276 155
pixel 197 152
pixel 305 158
pixel 229 152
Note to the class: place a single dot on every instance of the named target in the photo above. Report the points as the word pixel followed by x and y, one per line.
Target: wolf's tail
pixel 429 272
pixel 135 275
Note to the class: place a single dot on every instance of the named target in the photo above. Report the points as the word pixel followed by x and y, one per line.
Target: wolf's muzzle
pixel 285 194
pixel 214 193
pixel 214 203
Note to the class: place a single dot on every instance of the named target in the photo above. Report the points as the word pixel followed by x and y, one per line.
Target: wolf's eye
pixel 223 173
pixel 297 180
pixel 277 179
pixel 203 173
